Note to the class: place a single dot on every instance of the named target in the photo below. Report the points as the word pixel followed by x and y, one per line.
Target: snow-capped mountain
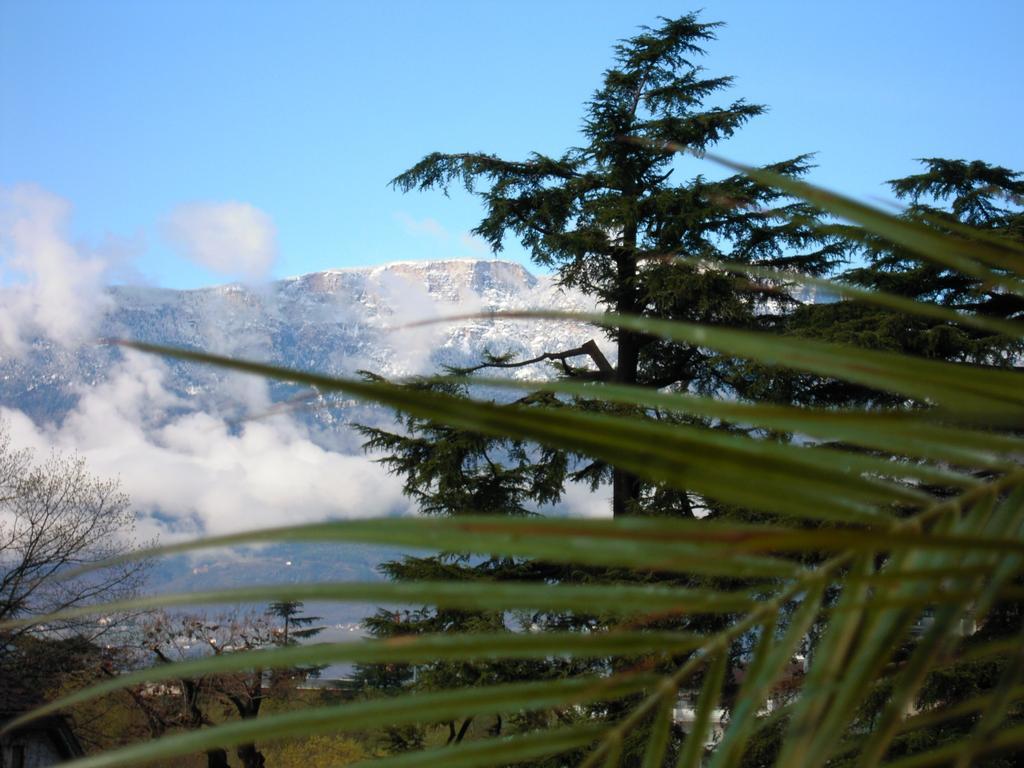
pixel 336 322
pixel 188 442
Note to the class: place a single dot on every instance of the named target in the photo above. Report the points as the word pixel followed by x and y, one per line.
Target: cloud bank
pixel 233 239
pixel 191 472
pixel 48 287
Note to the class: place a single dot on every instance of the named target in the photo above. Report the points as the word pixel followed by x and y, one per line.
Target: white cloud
pixel 202 472
pixel 231 238
pixel 412 303
pixel 48 286
pixel 579 500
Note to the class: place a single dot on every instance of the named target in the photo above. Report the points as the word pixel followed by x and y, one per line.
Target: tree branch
pixel 462 731
pixel 589 349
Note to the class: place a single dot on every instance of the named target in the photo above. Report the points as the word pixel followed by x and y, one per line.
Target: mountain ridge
pixel 335 321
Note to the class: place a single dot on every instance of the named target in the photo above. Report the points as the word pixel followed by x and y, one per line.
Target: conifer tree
pixel 949 195
pixel 607 218
pixel 296 626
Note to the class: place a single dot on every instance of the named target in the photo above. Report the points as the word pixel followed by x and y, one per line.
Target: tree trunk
pixel 625 485
pixel 250 756
pixel 248 707
pixel 625 492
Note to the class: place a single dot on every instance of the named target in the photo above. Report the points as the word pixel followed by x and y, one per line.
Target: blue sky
pixel 147 116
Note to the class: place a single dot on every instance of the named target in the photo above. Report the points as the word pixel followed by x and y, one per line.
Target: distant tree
pixel 194 702
pixel 296 627
pixel 56 516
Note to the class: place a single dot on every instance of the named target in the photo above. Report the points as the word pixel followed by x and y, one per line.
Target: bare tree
pixel 55 516
pixel 170 638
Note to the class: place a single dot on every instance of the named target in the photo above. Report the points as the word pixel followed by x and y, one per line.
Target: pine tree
pixel 949 195
pixel 607 219
pixel 296 626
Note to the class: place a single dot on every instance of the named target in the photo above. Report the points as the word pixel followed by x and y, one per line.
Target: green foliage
pixel 608 217
pixel 450 471
pixel 949 555
pixel 958 199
